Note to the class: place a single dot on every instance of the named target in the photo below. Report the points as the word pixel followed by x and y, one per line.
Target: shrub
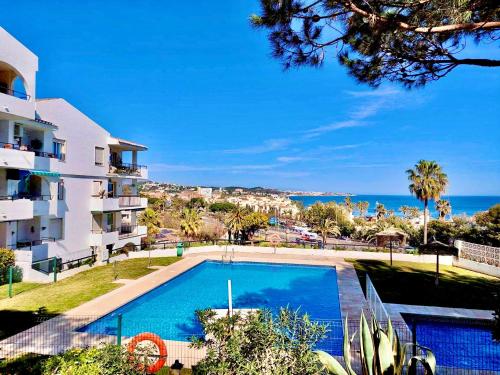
pixel 7 259
pixel 106 360
pixel 222 207
pixel 259 344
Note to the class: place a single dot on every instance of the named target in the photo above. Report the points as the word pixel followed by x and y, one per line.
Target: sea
pixel 460 204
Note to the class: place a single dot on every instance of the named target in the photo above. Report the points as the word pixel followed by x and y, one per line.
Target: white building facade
pixel 68 189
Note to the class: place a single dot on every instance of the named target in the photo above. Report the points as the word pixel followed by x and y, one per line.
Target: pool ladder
pixel 228 256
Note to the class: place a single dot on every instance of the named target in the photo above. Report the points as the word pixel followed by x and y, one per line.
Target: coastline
pixel 461 204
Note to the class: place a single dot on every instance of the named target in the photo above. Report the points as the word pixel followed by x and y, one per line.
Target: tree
pixel 252 222
pixel 409 212
pixel 443 207
pixel 362 207
pixel 234 221
pixel 380 211
pixel 489 225
pixel 222 207
pixel 196 204
pixel 190 223
pixel 411 42
pixel 427 182
pixel 326 227
pixel 348 204
pixel 150 219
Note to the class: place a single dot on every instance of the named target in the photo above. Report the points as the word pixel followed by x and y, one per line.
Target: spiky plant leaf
pixel 347 348
pixel 384 358
pixel 331 364
pixel 428 361
pixel 367 348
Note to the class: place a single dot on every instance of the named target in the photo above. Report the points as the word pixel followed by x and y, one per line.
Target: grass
pixel 19 312
pixel 413 284
pixel 17 288
pixel 71 292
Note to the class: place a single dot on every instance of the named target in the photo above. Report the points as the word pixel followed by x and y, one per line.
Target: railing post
pixel 54 268
pixel 119 319
pixel 11 269
pixel 414 336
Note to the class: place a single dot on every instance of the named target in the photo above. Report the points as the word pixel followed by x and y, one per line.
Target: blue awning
pixel 44 173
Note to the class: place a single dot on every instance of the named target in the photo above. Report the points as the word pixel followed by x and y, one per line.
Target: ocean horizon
pixel 460 204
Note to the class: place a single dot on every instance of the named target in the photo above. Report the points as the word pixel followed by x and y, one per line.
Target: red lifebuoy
pixel 147 336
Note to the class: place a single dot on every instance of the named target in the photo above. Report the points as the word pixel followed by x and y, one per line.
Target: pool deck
pixel 395 311
pixel 59 334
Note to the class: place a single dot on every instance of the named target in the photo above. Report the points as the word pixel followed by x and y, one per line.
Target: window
pixel 60 190
pixel 59 149
pixel 56 229
pixel 99 156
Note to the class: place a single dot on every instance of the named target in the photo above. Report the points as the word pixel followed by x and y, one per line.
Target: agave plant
pixel 382 353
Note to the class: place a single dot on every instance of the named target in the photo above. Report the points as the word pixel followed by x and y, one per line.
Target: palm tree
pixel 149 218
pixel 348 204
pixel 443 206
pixel 381 211
pixel 234 221
pixel 362 207
pixel 190 222
pixel 326 227
pixel 427 182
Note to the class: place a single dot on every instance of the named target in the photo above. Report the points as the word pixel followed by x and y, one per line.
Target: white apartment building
pixel 68 189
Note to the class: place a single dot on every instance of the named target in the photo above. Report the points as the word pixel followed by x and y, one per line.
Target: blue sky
pixel 197 84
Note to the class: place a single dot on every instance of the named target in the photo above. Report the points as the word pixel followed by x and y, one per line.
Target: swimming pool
pixel 459 343
pixel 169 310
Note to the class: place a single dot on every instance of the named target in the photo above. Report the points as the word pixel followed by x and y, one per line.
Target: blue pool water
pixel 169 310
pixel 457 343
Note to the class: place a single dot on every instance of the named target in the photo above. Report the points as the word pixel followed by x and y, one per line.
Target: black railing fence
pixel 11 92
pixel 23 147
pixel 55 335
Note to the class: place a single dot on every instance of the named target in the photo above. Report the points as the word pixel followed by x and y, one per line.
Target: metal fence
pixel 374 302
pixel 52 336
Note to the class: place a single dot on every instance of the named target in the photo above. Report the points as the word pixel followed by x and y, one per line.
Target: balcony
pixel 104 236
pixel 104 204
pixel 129 170
pixel 16 103
pixel 15 156
pixel 13 208
pixel 132 201
pixel 128 231
pixel 41 204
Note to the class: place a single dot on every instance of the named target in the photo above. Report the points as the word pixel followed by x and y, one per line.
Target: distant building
pixel 205 192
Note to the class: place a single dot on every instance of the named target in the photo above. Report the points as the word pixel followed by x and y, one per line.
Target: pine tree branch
pixel 487 25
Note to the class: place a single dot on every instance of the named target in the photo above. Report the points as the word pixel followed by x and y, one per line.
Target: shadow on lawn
pixel 12 321
pixel 414 285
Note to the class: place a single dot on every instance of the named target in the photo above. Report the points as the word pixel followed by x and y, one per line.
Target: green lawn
pixel 17 288
pixel 413 284
pixel 17 313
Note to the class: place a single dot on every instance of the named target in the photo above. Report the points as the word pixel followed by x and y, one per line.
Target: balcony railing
pixel 125 168
pixel 129 200
pixel 28 244
pixel 128 231
pixel 17 94
pixel 109 229
pixel 30 196
pixel 43 154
